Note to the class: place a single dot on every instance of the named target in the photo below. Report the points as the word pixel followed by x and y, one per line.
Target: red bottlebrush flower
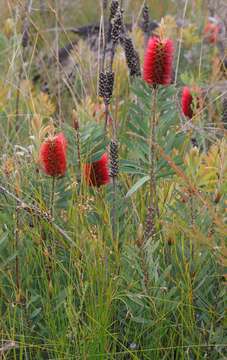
pixel 158 61
pixel 97 173
pixel 211 32
pixel 53 155
pixel 187 102
pixel 191 99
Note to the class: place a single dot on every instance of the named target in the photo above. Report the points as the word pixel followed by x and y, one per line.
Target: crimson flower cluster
pixel 97 173
pixel 53 160
pixel 187 102
pixel 158 61
pixel 53 155
pixel 190 99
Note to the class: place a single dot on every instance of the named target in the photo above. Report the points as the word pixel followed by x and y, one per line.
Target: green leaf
pixel 35 313
pixel 137 185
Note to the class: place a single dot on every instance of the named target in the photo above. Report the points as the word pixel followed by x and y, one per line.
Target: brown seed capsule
pixel 114 169
pixel 132 57
pixel 117 26
pixel 106 82
pixel 113 8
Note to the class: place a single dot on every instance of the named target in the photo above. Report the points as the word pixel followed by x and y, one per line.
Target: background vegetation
pixel 69 289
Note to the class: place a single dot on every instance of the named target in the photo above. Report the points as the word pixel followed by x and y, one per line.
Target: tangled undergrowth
pixel 113 179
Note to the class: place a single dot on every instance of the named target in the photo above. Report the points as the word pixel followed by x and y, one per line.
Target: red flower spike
pixel 187 102
pixel 158 61
pixel 53 155
pixel 211 32
pixel 191 100
pixel 97 173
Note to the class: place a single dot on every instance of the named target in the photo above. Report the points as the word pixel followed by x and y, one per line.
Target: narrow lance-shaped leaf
pixel 137 185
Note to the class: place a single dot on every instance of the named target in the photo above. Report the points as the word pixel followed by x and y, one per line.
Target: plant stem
pixel 18 99
pixel 106 117
pixel 57 11
pixel 47 253
pixel 42 7
pixel 152 149
pixel 152 207
pixel 76 126
pixel 106 27
pixel 78 151
pixel 50 253
pixel 105 35
pixel 114 230
pixel 192 210
pixel 52 196
pixel 17 265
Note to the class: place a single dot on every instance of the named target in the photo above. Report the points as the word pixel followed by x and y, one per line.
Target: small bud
pixel 75 120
